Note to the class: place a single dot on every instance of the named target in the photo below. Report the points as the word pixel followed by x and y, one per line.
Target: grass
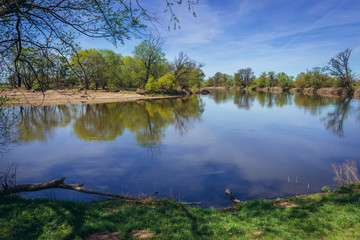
pixel 333 215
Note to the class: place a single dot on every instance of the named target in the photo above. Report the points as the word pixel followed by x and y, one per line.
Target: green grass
pixel 333 215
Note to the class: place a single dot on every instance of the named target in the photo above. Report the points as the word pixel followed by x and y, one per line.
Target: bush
pixel 164 84
pixel 325 189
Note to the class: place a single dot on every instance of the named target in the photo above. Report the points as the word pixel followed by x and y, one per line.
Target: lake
pixel 259 145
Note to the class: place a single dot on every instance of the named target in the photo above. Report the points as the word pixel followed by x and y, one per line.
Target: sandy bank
pixel 62 97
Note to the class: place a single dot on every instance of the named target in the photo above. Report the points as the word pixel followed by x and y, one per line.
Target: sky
pixel 266 35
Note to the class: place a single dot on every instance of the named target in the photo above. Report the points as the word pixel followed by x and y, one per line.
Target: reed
pixel 346 173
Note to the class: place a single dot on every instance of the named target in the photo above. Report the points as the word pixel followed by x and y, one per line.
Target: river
pixel 259 145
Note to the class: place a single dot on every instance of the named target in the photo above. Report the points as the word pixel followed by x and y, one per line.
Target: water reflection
pixel 256 144
pixel 38 123
pixel 8 132
pixel 335 120
pixel 313 104
pixel 105 122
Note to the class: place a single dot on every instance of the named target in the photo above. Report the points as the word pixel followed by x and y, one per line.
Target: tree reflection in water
pixel 335 120
pixel 8 132
pixel 312 103
pixel 147 120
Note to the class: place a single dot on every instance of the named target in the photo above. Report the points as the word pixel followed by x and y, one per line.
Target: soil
pixel 62 97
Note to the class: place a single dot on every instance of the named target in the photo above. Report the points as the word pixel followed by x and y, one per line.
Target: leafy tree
pixel 302 80
pixel 244 77
pixel 132 71
pixel 112 69
pixel 149 53
pixel 271 80
pixel 196 79
pixel 215 80
pixel 187 72
pixel 285 81
pixel 90 65
pixel 316 78
pixel 260 81
pixel 51 26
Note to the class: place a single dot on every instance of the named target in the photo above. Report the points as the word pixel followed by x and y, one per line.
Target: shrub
pixel 325 189
pixel 164 84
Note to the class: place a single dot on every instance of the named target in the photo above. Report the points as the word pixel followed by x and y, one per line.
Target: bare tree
pixel 182 68
pixel 180 64
pixel 338 66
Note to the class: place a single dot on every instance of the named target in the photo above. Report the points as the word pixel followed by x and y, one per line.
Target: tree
pixel 271 80
pixel 51 26
pixel 149 53
pixel 187 72
pixel 244 77
pixel 90 63
pixel 260 81
pixel 285 81
pixel 179 65
pixel 131 72
pixel 338 67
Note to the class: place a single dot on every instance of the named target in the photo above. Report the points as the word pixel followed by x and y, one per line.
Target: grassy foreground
pixel 333 215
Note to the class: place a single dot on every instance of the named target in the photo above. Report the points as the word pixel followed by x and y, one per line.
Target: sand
pixel 62 97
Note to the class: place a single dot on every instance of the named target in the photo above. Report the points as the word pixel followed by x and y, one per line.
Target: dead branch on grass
pixel 8 189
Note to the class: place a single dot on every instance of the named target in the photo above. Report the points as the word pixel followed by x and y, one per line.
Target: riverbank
pixel 333 215
pixel 62 97
pixel 324 92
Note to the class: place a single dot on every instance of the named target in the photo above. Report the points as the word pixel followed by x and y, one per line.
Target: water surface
pixel 259 145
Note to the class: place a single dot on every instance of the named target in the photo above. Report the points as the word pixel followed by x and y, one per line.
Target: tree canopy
pixel 52 26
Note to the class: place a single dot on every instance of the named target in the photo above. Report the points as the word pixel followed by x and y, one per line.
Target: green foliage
pixel 317 78
pixel 150 54
pixel 325 189
pixel 244 78
pixel 132 71
pixel 260 81
pixel 152 85
pixel 271 80
pixel 220 79
pixel 284 81
pixel 163 85
pixel 166 82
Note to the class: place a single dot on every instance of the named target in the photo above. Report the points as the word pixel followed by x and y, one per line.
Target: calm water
pixel 192 149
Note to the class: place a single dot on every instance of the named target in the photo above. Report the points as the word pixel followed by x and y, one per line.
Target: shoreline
pixel 323 92
pixel 23 98
pixel 332 215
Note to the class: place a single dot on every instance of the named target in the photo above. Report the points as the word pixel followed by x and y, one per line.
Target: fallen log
pixel 231 196
pixel 58 183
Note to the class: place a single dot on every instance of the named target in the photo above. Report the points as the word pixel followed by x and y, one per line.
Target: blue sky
pixel 266 35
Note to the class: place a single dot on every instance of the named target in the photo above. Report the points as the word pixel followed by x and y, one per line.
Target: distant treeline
pixel 336 74
pixel 147 69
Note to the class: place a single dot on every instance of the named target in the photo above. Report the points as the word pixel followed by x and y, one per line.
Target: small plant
pixel 325 189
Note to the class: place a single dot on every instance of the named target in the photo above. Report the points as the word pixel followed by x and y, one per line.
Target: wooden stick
pixel 58 183
pixel 231 196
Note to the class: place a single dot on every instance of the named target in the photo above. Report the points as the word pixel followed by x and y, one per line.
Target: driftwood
pixel 59 183
pixel 231 196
